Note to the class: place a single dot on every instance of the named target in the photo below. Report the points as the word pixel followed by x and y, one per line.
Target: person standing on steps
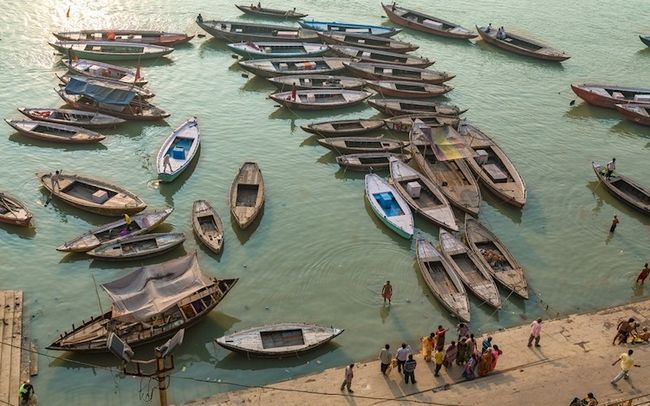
pixel 614 224
pixel 26 393
pixel 347 381
pixel 385 357
pixel 644 274
pixel 402 355
pixel 626 364
pixel 387 292
pixel 535 332
pixel 409 369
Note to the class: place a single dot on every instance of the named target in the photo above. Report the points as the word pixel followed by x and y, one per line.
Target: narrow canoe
pixel 105 71
pixel 343 127
pixel 645 39
pixel 167 39
pixel 389 206
pixel 377 71
pixel 207 225
pixel 424 197
pixel 407 89
pixel 79 118
pixel 404 123
pixel 317 82
pixel 108 233
pixel 110 51
pixel 263 50
pixel 138 247
pixel 93 195
pixel 442 280
pixel 52 132
pixel 13 211
pixel 278 340
pixel 294 66
pixel 639 113
pixel 140 92
pixel 247 194
pixel 238 31
pixel 453 177
pixel 367 41
pixel 625 189
pixel 139 110
pixel 320 99
pixel 376 56
pixel 396 107
pixel 425 23
pixel 361 144
pixel 522 46
pixel 181 147
pixel 271 12
pixel 496 257
pixel 492 166
pixel 369 161
pixel 334 26
pixel 470 269
pixel 609 96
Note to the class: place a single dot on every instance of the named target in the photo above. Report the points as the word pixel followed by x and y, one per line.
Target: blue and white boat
pixel 333 26
pixel 263 50
pixel 178 151
pixel 389 206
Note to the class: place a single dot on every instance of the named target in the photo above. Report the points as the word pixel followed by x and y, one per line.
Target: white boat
pixel 389 206
pixel 181 147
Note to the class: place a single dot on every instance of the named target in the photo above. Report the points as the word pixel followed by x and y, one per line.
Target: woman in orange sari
pixel 485 363
pixel 428 344
pixel 496 352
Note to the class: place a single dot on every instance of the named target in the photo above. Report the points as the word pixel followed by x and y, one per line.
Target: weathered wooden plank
pixel 11 333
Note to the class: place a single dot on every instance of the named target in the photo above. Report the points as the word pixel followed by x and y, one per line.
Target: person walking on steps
pixel 402 355
pixel 385 357
pixel 347 381
pixel 535 332
pixel 409 369
pixel 626 363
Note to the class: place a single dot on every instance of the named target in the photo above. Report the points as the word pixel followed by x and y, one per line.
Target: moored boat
pixel 294 66
pixel 178 150
pixel 238 31
pixel 625 189
pixel 639 113
pixel 376 56
pixel 162 38
pixel 367 41
pixel 498 260
pixel 105 71
pixel 79 118
pixel 334 26
pixel 609 96
pixel 395 107
pixel 207 225
pixel 52 132
pixel 442 280
pixel 271 12
pixel 317 82
pixel 313 99
pixel 246 194
pixel 343 127
pixel 520 45
pixel 425 23
pixel 13 211
pixel 263 50
pixel 404 123
pixel 369 161
pixel 361 144
pixel 140 92
pixel 389 206
pixel 137 247
pixel 407 89
pixel 278 340
pixel 378 71
pixel 92 195
pixel 645 39
pixel 110 50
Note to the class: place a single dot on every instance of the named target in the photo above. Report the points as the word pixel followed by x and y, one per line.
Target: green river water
pixel 319 254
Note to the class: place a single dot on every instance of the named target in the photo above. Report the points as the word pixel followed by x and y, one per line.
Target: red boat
pixel 639 113
pixel 13 211
pixel 609 96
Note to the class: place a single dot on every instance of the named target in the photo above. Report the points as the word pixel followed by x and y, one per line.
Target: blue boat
pixel 333 26
pixel 264 50
pixel 645 39
pixel 178 150
pixel 389 206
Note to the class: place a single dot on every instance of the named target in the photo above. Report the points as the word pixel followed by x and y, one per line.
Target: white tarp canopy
pixel 152 289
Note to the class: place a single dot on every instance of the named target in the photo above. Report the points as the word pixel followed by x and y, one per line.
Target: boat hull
pixel 551 56
pixel 399 20
pixel 629 113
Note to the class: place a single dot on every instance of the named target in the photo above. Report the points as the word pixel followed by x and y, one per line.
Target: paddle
pixel 7 205
pixel 49 198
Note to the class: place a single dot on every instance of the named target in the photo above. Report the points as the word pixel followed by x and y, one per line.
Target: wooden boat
pixel 136 109
pixel 625 189
pixel 343 127
pixel 453 177
pixel 278 340
pixel 76 118
pixel 181 147
pixel 105 71
pixel 470 269
pixel 293 66
pixel 395 107
pixel 404 123
pixel 496 257
pixel 369 161
pixel 238 31
pixel 645 39
pixel 609 96
pixel 138 247
pixel 407 89
pixel 375 56
pixel 207 225
pixel 377 71
pixel 52 132
pixel 389 206
pixel 271 12
pixel 442 280
pixel 422 195
pixel 639 113
pixel 320 99
pixel 149 304
pixel 492 166
pixel 522 46
pixel 162 38
pixel 108 233
pixel 317 82
pixel 334 26
pixel 263 50
pixel 425 23
pixel 13 211
pixel 140 92
pixel 247 194
pixel 110 50
pixel 361 144
pixel 93 195
pixel 367 41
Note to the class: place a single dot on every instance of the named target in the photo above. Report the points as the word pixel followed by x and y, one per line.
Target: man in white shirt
pixel 385 357
pixel 402 355
pixel 347 381
pixel 611 167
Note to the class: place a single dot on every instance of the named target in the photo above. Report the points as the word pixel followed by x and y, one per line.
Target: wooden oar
pixel 7 205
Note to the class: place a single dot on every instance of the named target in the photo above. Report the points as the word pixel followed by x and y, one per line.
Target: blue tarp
pixel 102 93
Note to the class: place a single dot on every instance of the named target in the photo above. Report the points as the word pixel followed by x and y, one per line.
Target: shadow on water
pixel 258 84
pixel 347 174
pixel 177 252
pixel 512 212
pixel 533 62
pixel 26 233
pixel 585 111
pixel 244 235
pixel 328 158
pixel 602 195
pixel 630 129
pixel 72 257
pixel 213 44
pixel 310 141
pixel 63 210
pixel 237 361
pixel 23 140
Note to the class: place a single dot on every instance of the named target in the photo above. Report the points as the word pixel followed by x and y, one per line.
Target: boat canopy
pixel 153 289
pixel 445 142
pixel 100 92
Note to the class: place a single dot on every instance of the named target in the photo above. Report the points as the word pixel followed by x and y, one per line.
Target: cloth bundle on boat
pixel 152 289
pixel 101 93
pixel 445 142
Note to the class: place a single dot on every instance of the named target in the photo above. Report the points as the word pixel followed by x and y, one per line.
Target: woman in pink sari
pixel 496 353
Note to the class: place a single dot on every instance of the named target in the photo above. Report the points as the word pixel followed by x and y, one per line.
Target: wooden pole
pixel 162 378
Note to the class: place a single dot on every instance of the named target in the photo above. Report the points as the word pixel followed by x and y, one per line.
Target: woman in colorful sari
pixel 496 352
pixel 428 344
pixel 485 363
pixel 468 372
pixel 450 355
pixel 462 349
pixel 472 347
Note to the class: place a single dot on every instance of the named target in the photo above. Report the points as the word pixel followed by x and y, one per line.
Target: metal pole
pixel 162 384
